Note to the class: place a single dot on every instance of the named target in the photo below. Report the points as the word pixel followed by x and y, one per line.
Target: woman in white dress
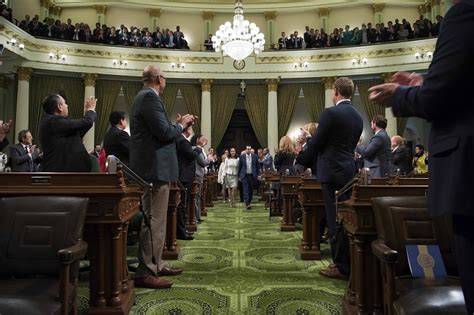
pixel 221 176
pixel 231 168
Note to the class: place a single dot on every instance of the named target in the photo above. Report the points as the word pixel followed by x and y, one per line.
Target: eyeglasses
pixel 160 76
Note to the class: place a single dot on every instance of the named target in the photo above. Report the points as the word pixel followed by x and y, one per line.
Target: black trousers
pixel 463 227
pixel 182 210
pixel 338 239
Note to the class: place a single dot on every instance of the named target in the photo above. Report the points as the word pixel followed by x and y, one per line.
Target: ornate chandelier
pixel 240 38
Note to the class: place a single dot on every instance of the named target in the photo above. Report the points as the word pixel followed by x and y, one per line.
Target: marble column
pixel 378 12
pixel 435 9
pixel 206 127
pixel 44 9
pixel 391 119
pixel 100 13
pixel 324 18
pixel 89 90
pixel 207 17
pixel 272 137
pixel 23 99
pixel 447 5
pixel 328 87
pixel 270 36
pixel 154 18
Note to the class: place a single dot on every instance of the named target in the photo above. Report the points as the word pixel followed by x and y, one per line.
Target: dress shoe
pixel 186 237
pixel 249 207
pixel 170 271
pixel 332 273
pixel 200 221
pixel 152 282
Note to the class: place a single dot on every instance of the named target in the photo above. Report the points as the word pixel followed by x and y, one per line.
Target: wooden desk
pixel 364 295
pixel 171 248
pixel 111 205
pixel 289 189
pixel 311 198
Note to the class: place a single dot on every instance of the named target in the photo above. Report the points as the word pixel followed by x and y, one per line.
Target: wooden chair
pixel 405 220
pixel 40 249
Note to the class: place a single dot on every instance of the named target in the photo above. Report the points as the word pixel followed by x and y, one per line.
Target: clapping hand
pixel 186 120
pixel 90 103
pixel 383 93
pixel 407 78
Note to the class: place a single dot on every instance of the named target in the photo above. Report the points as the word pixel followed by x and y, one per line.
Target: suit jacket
pixel 153 140
pixel 243 166
pixel 201 163
pixel 377 154
pixel 267 162
pixel 21 161
pixel 400 160
pixel 451 114
pixel 285 161
pixel 61 141
pixel 186 160
pixel 117 142
pixel 3 143
pixel 338 132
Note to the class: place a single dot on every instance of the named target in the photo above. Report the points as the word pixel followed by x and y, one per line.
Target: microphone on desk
pixel 111 165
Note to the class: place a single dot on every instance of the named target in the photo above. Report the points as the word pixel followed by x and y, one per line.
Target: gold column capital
pixel 378 7
pixel 100 9
pixel 154 12
pixel 328 82
pixel 206 84
pixel 45 3
pixel 422 9
pixel 387 76
pixel 270 15
pixel 272 84
pixel 208 15
pixel 90 79
pixel 54 9
pixel 24 73
pixel 324 11
pixel 435 2
pixel 4 82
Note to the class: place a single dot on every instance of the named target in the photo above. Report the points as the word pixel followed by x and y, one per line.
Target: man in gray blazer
pixel 376 154
pixel 153 157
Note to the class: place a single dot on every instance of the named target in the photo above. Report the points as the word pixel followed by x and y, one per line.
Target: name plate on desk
pixel 41 180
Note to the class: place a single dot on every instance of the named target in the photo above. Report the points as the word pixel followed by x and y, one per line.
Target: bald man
pixel 153 157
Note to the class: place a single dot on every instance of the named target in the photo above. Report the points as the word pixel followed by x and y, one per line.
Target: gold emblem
pixel 239 64
pixel 425 261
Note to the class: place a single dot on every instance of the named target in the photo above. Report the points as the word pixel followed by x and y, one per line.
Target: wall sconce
pixel 423 55
pixel 116 62
pixel 57 56
pixel 359 61
pixel 178 65
pixel 14 43
pixel 301 65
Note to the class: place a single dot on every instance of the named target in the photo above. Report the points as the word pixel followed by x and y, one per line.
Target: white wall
pixel 77 15
pixel 22 7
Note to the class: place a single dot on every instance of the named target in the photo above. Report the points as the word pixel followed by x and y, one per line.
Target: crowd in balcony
pixel 367 34
pixel 166 38
pixel 103 34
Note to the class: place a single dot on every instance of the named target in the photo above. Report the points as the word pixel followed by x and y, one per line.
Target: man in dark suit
pixel 248 174
pixel 153 157
pixel 4 130
pixel 61 137
pixel 400 157
pixel 333 145
pixel 444 97
pixel 282 41
pixel 376 154
pixel 24 155
pixel 117 140
pixel 187 168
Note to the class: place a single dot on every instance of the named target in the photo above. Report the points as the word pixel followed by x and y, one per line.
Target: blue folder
pixel 425 261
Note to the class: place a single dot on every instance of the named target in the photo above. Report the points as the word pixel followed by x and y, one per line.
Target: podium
pixel 289 189
pixel 111 206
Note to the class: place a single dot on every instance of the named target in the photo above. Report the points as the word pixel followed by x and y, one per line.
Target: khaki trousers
pixel 156 203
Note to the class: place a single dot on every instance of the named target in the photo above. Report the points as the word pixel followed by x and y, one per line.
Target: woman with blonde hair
pixel 285 157
pixel 231 169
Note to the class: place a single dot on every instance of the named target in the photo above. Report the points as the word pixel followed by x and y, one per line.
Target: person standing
pixel 400 159
pixel 333 145
pixel 117 140
pixel 153 157
pixel 248 174
pixel 198 142
pixel 231 170
pixel 4 130
pixel 444 97
pixel 376 154
pixel 61 137
pixel 24 155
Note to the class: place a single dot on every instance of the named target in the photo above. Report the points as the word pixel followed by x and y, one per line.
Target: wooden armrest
pixel 73 253
pixel 384 253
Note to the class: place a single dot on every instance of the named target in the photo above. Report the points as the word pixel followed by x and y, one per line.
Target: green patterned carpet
pixel 240 263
